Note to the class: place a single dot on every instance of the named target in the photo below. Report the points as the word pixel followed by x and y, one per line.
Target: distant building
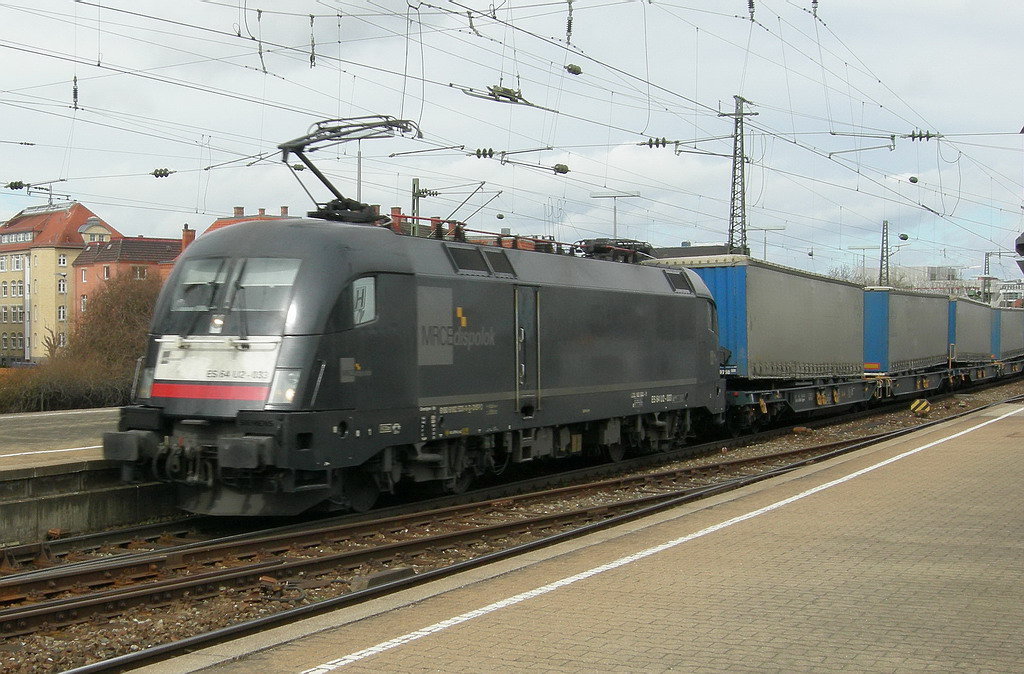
pixel 141 257
pixel 1008 294
pixel 38 247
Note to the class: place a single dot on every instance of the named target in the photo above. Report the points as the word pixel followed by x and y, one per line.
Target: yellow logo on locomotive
pixel 442 327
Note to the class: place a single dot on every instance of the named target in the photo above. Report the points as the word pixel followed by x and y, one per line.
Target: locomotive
pixel 304 363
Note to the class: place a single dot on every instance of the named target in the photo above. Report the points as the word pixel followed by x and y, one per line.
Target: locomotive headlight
pixel 145 383
pixel 282 389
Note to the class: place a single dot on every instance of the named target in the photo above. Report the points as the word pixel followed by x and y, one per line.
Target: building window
pixel 15 263
pixel 18 289
pixel 3 288
pixel 3 263
pixel 3 313
pixel 3 340
pixel 140 273
pixel 106 272
pixel 84 300
pixel 84 278
pixel 62 260
pixel 62 286
pixel 62 340
pixel 62 313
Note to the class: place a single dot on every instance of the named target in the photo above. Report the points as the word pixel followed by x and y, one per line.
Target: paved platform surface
pixel 908 557
pixel 53 438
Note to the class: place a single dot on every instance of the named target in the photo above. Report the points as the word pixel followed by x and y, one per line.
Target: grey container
pixel 970 331
pixel 904 330
pixel 1011 333
pixel 783 323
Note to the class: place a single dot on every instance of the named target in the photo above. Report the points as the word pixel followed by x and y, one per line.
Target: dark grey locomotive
pixel 306 363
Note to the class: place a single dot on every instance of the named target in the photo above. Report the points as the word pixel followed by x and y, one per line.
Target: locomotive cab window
pixel 232 296
pixel 198 284
pixel 264 284
pixel 680 281
pixel 364 300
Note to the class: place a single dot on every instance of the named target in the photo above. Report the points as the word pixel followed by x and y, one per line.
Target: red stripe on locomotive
pixel 210 391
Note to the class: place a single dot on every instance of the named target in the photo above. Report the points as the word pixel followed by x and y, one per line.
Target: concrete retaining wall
pixel 75 498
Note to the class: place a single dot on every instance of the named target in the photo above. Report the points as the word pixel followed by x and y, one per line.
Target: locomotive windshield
pixel 232 296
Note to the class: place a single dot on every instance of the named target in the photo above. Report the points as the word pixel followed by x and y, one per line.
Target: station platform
pixel 908 556
pixel 54 479
pixel 42 439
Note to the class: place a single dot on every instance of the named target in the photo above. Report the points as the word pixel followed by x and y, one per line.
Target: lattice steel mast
pixel 738 199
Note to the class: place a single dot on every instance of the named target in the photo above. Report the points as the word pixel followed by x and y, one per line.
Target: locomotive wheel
pixel 360 490
pixel 615 452
pixel 460 484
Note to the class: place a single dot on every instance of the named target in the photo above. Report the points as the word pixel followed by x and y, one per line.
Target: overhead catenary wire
pixel 636 96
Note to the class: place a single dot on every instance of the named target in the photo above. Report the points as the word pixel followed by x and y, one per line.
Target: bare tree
pixel 51 344
pixel 111 334
pixel 869 277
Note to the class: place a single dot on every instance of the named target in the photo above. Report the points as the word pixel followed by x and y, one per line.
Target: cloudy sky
pixel 841 92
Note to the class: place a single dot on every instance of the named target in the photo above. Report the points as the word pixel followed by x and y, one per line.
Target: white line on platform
pixel 50 451
pixel 57 413
pixel 519 598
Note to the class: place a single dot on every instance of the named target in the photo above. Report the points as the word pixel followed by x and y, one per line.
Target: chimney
pixel 261 212
pixel 239 211
pixel 284 211
pixel 396 219
pixel 187 237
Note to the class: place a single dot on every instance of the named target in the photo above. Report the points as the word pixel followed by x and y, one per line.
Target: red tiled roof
pixel 130 249
pixel 51 225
